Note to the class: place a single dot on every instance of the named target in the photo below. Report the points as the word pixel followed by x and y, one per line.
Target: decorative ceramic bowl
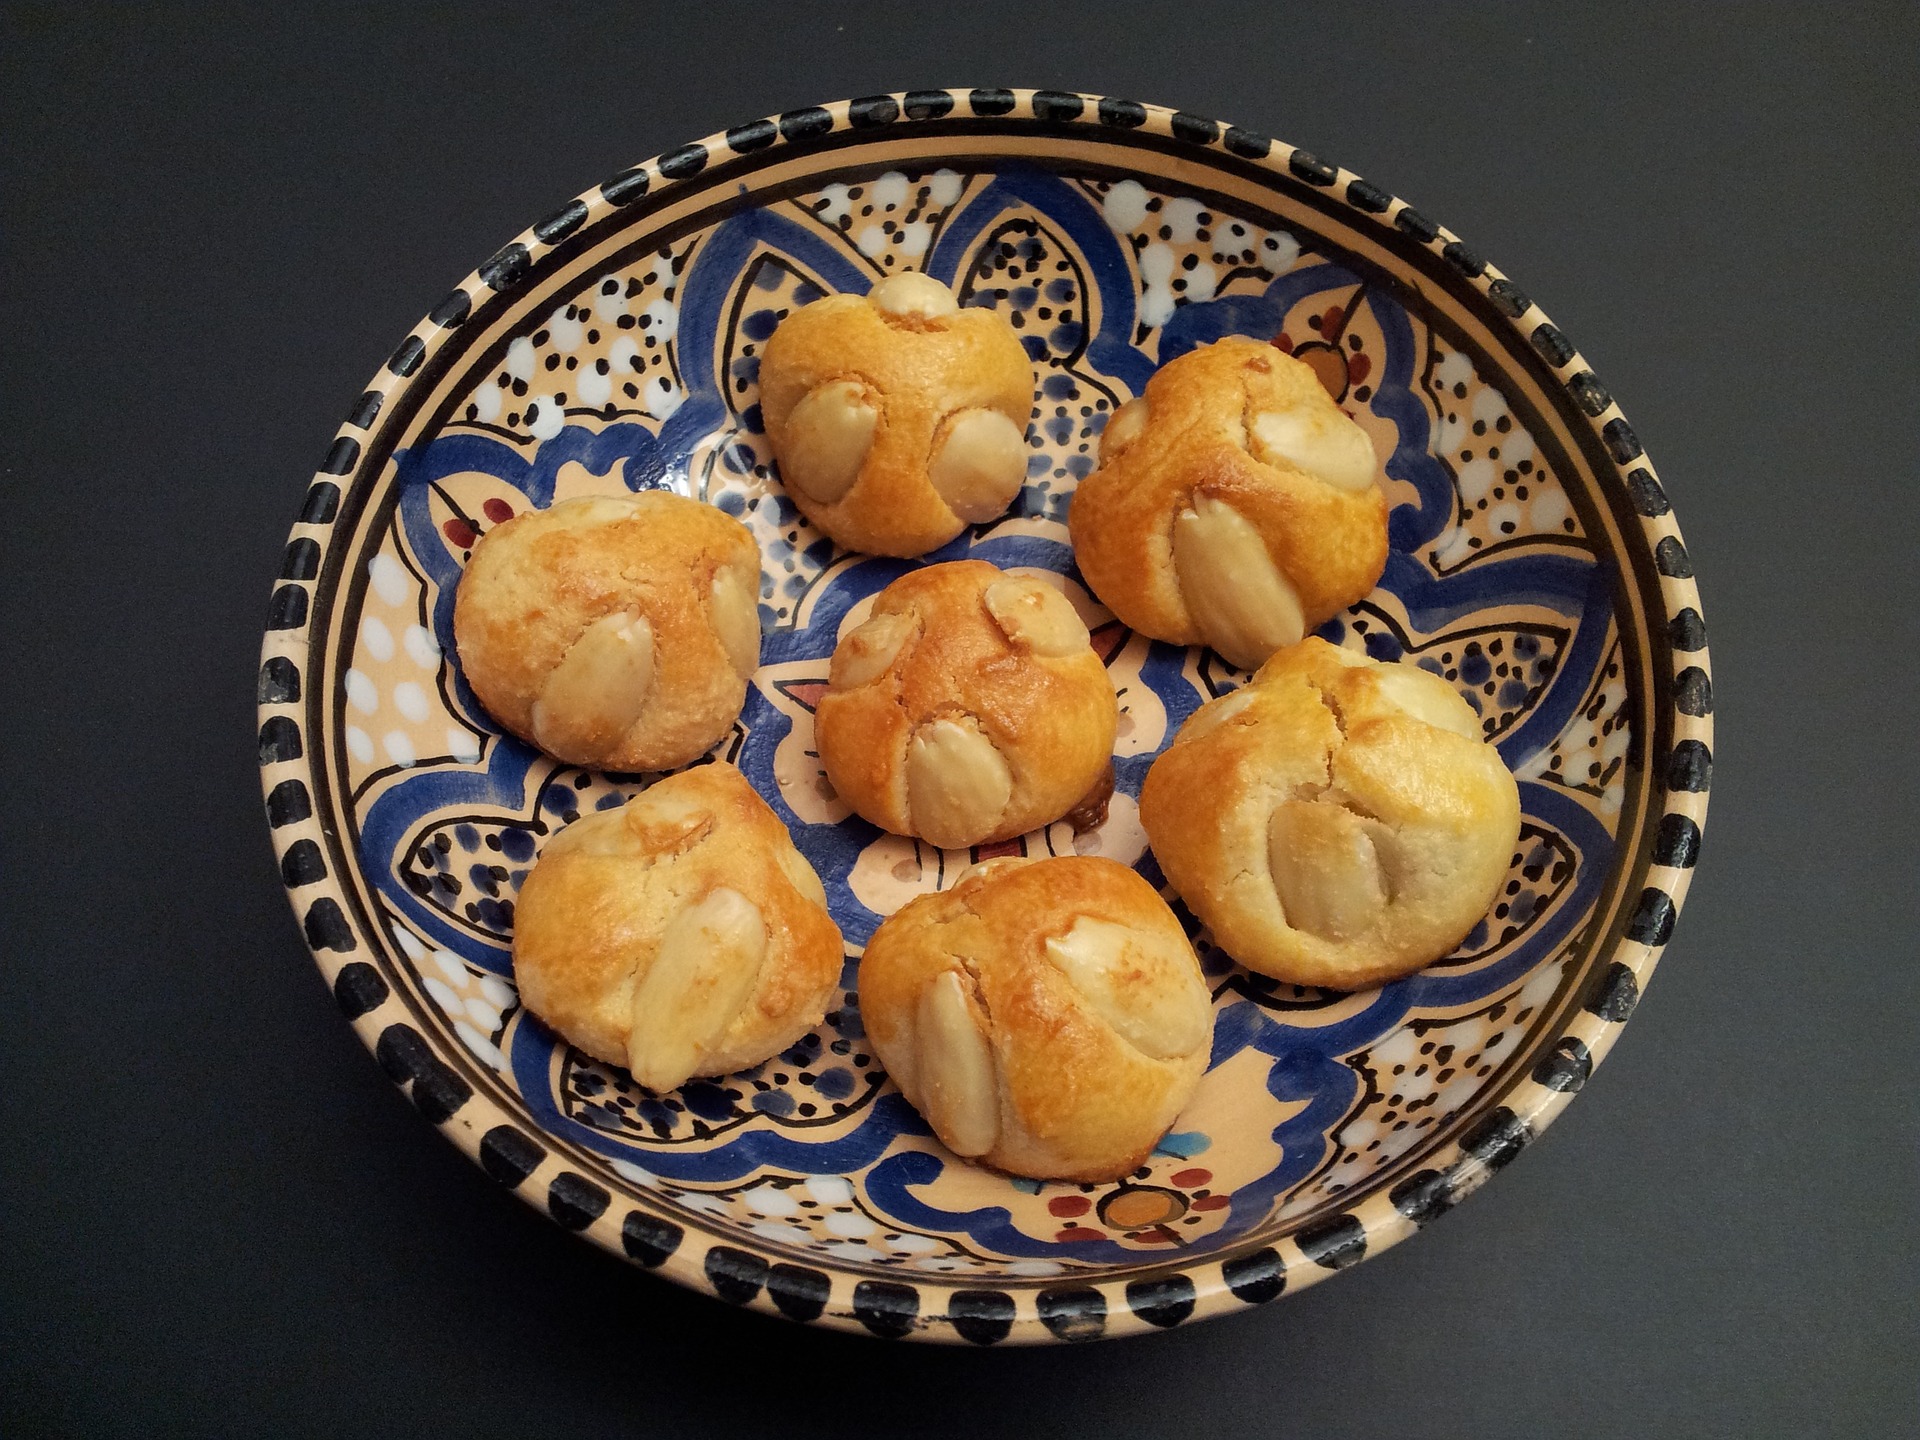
pixel 614 346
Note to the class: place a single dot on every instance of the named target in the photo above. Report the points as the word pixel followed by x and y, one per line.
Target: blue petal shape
pixel 1307 1065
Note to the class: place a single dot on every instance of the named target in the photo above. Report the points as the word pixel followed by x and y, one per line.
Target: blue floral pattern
pixel 1490 584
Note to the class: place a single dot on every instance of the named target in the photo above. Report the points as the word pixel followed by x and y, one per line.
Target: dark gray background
pixel 217 1217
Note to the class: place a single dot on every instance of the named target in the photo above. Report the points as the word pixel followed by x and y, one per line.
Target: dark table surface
pixel 217 1217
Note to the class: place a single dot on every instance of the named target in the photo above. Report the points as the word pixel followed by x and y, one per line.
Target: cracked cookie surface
pixel 1048 1017
pixel 1336 821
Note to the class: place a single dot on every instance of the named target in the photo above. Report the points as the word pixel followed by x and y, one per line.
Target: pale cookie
pixel 1336 821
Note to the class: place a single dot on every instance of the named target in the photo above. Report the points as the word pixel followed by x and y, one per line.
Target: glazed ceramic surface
pixel 614 347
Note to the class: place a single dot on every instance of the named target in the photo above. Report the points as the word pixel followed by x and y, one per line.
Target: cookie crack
pixel 1332 705
pixel 970 968
pixel 1330 792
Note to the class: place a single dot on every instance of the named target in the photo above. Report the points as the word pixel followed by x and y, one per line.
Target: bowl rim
pixel 728 1264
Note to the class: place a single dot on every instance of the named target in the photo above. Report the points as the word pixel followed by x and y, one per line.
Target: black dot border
pixel 945 1308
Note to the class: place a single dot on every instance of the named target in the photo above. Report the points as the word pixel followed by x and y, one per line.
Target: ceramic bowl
pixel 613 346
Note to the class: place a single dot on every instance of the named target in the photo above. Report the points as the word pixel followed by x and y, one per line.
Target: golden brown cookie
pixel 1048 1017
pixel 897 417
pixel 968 707
pixel 1335 821
pixel 613 631
pixel 1235 505
pixel 678 935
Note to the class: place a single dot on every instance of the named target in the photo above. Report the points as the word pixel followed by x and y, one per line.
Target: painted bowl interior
pixel 614 347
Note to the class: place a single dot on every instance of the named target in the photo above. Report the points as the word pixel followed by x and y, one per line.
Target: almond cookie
pixel 897 417
pixel 613 631
pixel 678 935
pixel 1048 1017
pixel 1336 821
pixel 969 707
pixel 1235 505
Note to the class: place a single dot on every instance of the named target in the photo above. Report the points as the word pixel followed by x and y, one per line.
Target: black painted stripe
pixel 575 1202
pixel 288 804
pixel 806 124
pixel 755 135
pixel 928 104
pixel 1164 1302
pixel 279 740
pixel 885 1308
pixel 561 223
pixel 358 989
pixel 797 1292
pixel 1566 1067
pixel 302 865
pixel 649 1239
pixel 735 1275
pixel 1335 1243
pixel 1073 1314
pixel 1613 994
pixel 288 608
pixel 343 453
pixel 279 681
pixel 626 187
pixel 302 560
pixel 452 312
pixel 984 1317
pixel 1256 1278
pixel 326 926
pixel 509 1155
pixel 322 504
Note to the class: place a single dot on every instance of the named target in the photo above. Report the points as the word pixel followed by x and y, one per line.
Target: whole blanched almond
pixel 601 834
pixel 1324 443
pixel 594 695
pixel 736 616
pixel 1124 428
pixel 959 1093
pixel 868 651
pixel 1325 869
pixel 958 783
pixel 1236 594
pixel 1215 713
pixel 594 509
pixel 1031 613
pixel 911 295
pixel 802 876
pixel 978 464
pixel 981 869
pixel 827 439
pixel 701 978
pixel 1425 696
pixel 665 822
pixel 1155 1002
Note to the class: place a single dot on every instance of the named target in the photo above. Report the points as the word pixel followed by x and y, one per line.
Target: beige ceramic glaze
pixel 1536 567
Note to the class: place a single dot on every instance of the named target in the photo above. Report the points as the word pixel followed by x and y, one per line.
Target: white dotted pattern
pixel 1180 256
pixel 478 1005
pixel 1504 489
pixel 1422 1075
pixel 398 715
